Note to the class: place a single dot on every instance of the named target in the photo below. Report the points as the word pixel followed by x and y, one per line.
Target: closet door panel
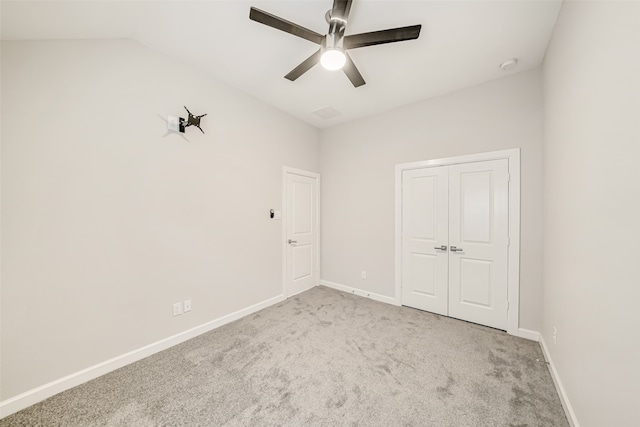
pixel 478 237
pixel 424 232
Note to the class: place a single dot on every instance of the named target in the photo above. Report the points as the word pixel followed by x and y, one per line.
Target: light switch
pixel 277 215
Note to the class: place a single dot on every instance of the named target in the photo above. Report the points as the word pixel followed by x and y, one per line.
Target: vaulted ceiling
pixel 462 44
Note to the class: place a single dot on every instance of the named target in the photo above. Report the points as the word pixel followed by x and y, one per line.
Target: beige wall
pixel 107 220
pixel 358 161
pixel 592 209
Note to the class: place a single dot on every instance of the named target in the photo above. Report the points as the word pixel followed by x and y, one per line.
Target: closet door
pixel 478 239
pixel 455 237
pixel 424 239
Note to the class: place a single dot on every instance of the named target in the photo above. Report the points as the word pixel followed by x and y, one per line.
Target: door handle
pixel 454 249
pixel 292 242
pixel 441 248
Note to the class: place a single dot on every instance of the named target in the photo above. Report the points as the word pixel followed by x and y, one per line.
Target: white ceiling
pixel 461 44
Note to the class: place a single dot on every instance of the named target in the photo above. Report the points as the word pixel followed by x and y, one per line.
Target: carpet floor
pixel 322 358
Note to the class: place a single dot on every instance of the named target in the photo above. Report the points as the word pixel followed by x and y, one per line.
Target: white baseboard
pixel 38 394
pixel 564 399
pixel 359 292
pixel 527 333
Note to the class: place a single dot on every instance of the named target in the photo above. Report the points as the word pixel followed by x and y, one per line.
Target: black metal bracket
pixel 190 121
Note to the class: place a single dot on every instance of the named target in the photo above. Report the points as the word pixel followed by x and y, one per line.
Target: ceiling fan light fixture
pixel 334 45
pixel 333 59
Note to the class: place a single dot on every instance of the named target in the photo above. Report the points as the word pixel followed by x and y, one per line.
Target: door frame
pixel 513 259
pixel 289 170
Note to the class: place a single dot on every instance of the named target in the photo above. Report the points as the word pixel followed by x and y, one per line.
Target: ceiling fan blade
pixel 380 37
pixel 305 66
pixel 284 25
pixel 352 72
pixel 341 9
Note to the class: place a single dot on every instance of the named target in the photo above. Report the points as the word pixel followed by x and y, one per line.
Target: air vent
pixel 327 112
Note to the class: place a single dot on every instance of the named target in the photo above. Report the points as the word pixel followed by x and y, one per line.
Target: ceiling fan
pixel 334 45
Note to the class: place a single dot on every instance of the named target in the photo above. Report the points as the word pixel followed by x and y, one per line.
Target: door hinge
pixel 507 304
pixel 508 177
pixel 508 241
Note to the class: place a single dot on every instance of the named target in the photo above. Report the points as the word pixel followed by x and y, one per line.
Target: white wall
pixel 107 219
pixel 358 161
pixel 592 209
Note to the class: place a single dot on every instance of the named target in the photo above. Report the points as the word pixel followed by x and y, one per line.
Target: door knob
pixel 441 248
pixel 292 242
pixel 454 249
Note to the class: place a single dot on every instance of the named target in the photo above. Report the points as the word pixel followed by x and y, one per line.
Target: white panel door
pixel 301 232
pixel 424 239
pixel 478 239
pixel 463 209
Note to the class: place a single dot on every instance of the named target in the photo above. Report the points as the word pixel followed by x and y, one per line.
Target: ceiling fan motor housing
pixel 337 26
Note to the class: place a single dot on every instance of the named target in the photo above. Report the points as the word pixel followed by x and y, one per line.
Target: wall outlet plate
pixel 177 309
pixel 187 305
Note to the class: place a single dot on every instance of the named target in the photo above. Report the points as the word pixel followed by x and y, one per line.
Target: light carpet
pixel 323 357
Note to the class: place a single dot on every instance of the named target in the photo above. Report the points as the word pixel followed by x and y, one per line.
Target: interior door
pixel 479 239
pixel 424 239
pixel 301 232
pixel 455 237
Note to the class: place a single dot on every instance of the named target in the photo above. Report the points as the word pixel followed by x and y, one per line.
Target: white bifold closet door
pixel 455 237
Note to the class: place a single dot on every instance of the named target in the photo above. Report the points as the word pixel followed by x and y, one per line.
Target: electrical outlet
pixel 177 309
pixel 187 305
pixel 363 274
pixel 555 335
